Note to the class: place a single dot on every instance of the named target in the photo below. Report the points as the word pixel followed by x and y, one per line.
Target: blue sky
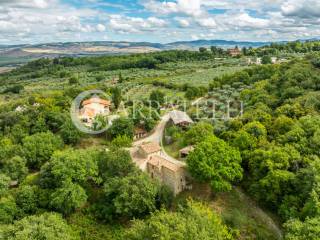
pixel 39 21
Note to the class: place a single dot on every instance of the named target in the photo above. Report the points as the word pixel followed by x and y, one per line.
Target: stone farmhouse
pixel 150 159
pixel 93 107
pixel 168 173
pixel 180 118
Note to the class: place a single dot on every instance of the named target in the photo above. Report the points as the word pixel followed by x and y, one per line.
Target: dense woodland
pixel 53 185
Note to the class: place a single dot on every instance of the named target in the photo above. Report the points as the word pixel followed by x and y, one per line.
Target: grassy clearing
pixel 92 141
pixel 238 211
pixel 173 149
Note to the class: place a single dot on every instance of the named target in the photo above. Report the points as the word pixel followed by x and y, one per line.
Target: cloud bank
pixel 34 21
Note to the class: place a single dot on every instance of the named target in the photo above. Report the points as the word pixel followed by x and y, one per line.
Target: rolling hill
pixel 12 55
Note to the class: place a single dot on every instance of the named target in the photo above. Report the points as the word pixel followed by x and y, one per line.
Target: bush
pixel 195 221
pixel 8 210
pixel 14 89
pixel 4 184
pixel 39 147
pixel 27 199
pixel 133 196
pixel 68 197
pixel 121 142
pixel 15 168
pixel 73 80
pixel 45 226
pixel 121 127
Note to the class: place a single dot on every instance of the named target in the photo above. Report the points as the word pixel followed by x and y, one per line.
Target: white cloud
pixel 183 22
pixel 55 20
pixel 101 27
pixel 124 24
pixel 207 22
pixel 301 8
pixel 43 20
pixel 29 4
pixel 244 20
pixel 188 7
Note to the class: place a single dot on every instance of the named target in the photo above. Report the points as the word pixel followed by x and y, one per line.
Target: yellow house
pixel 93 107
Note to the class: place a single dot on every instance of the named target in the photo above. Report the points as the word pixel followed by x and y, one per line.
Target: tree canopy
pixel 214 161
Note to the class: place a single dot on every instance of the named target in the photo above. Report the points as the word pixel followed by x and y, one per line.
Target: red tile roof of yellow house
pixel 88 112
pixel 96 100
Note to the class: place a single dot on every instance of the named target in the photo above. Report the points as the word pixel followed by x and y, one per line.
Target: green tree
pixel 130 197
pixel 157 98
pixel 39 147
pixel 214 161
pixel 244 141
pixel 68 197
pixel 214 50
pixel 99 78
pixel 8 210
pixel 73 80
pixel 120 78
pixel 256 129
pixel 202 50
pixel 14 89
pixel 4 184
pixel 75 165
pixel 307 230
pixel 69 133
pixel 116 97
pixel 144 117
pixel 39 126
pixel 115 163
pixel 282 124
pixel 244 51
pixel 27 199
pixel 15 168
pixel 8 149
pixel 195 221
pixel 266 60
pixel 198 132
pixel 48 226
pixel 122 142
pixel 120 127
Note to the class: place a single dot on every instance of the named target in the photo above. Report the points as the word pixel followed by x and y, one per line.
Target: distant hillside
pixel 218 43
pixel 19 54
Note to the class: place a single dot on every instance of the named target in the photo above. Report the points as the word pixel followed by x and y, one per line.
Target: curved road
pixel 157 136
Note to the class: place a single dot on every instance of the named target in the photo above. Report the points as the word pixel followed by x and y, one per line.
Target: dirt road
pixel 157 136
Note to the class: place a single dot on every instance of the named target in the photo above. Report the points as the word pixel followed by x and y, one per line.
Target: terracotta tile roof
pixel 159 162
pixel 151 147
pixel 96 100
pixel 180 117
pixel 88 112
